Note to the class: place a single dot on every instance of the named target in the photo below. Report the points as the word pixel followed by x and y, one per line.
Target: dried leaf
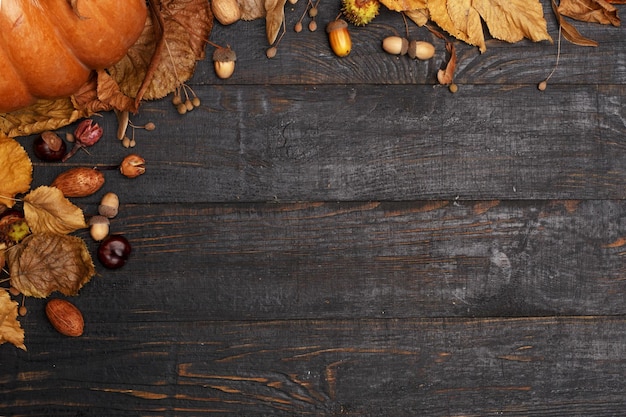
pixel 274 18
pixel 47 211
pixel 10 329
pixel 570 32
pixel 252 9
pixel 41 116
pixel 44 263
pixel 593 11
pixel 507 20
pixel 404 5
pixel 446 76
pixel 164 60
pixel 16 170
pixel 514 20
pixel 419 16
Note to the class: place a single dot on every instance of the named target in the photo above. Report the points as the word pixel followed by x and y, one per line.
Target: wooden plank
pixel 306 58
pixel 429 367
pixel 371 259
pixel 361 143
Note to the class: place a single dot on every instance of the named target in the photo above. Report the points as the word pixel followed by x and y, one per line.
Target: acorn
pixel 360 12
pixel 421 50
pixel 396 45
pixel 339 37
pixel 224 62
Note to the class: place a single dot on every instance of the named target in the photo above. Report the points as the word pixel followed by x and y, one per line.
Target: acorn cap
pixel 336 24
pixel 224 55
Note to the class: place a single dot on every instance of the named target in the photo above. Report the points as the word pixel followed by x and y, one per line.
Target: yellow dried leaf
pixel 438 10
pixel 514 20
pixel 466 19
pixel 275 14
pixel 16 170
pixel 404 5
pixel 507 20
pixel 47 211
pixel 41 116
pixel 10 329
pixel 419 16
pixel 44 263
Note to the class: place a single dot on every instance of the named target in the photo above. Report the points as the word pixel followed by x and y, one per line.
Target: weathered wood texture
pixel 331 236
pixel 439 367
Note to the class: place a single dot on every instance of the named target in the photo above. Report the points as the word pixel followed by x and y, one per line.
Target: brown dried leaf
pixel 44 263
pixel 593 11
pixel 47 211
pixel 252 9
pixel 16 170
pixel 570 32
pixel 446 76
pixel 164 62
pixel 10 329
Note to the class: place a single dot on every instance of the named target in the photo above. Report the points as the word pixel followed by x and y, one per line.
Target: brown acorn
pixel 79 182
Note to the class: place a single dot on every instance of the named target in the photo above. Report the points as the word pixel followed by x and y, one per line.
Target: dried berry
pixel 87 133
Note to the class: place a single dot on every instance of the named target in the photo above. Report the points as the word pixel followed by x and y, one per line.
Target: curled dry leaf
pixel 46 262
pixel 593 11
pixel 16 170
pixel 10 329
pixel 158 63
pixel 47 211
pixel 569 31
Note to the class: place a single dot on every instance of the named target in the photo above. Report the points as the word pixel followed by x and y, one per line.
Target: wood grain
pixel 437 367
pixel 361 143
pixel 328 237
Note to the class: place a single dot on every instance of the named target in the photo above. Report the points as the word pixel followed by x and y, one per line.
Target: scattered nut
pixel 224 62
pixel 226 11
pixel 133 166
pixel 396 45
pixel 421 50
pixel 65 317
pixel 79 182
pixel 109 205
pixel 99 227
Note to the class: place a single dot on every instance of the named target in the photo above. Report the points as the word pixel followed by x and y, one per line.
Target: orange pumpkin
pixel 48 48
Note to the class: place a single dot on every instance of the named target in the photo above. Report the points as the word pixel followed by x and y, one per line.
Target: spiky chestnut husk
pixel 360 12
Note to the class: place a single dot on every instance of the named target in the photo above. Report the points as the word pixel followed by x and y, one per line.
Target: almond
pixel 65 317
pixel 226 11
pixel 79 182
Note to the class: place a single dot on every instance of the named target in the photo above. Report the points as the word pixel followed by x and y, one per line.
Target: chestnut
pixel 49 147
pixel 114 251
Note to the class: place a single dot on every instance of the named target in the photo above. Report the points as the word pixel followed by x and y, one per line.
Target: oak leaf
pixel 46 262
pixel 10 329
pixel 593 11
pixel 47 211
pixel 16 170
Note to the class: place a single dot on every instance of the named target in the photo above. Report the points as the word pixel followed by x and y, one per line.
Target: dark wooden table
pixel 330 236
